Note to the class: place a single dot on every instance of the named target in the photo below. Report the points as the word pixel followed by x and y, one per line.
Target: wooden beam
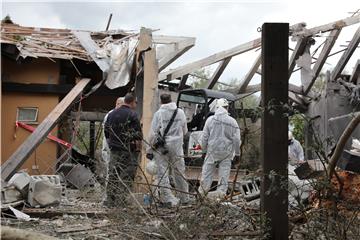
pixel 274 129
pixel 29 145
pixel 146 92
pixel 356 74
pixel 257 87
pixel 298 51
pixel 217 57
pixel 91 47
pixel 246 80
pixel 59 89
pixel 346 56
pixel 216 75
pixel 330 41
pixel 183 81
pixel 174 52
pixel 89 116
pixel 328 27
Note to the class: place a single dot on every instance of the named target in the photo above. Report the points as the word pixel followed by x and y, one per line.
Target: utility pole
pixel 274 130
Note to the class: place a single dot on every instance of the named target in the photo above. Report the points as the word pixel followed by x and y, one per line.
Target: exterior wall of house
pixel 35 71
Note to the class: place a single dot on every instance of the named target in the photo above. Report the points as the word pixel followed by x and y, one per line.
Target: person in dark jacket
pixel 123 133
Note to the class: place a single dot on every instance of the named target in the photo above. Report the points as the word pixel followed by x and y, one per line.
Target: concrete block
pixel 21 181
pixel 44 190
pixel 10 194
pixel 250 189
pixel 79 176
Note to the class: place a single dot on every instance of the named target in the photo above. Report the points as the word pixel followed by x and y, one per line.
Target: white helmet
pixel 290 135
pixel 151 167
pixel 222 102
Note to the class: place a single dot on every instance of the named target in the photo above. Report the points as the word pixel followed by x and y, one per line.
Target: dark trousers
pixel 122 170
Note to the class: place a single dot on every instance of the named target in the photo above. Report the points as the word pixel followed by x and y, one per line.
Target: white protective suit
pixel 105 152
pixel 221 141
pixel 173 162
pixel 295 151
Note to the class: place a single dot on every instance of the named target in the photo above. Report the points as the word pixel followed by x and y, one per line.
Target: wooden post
pixel 34 140
pixel 274 131
pixel 146 92
pixel 92 139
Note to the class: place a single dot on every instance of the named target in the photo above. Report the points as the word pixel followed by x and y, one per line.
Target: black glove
pixel 203 156
pixel 150 156
pixel 236 160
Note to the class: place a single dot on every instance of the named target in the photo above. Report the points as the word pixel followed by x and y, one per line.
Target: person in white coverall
pixel 169 158
pixel 295 151
pixel 220 142
pixel 105 151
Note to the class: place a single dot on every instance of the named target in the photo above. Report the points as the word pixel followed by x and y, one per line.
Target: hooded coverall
pixel 221 141
pixel 173 161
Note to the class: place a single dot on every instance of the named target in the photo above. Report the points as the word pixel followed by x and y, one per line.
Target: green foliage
pixel 298 122
pixel 319 84
pixel 200 78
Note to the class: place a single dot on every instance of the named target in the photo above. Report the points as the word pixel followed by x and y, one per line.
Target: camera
pixel 160 145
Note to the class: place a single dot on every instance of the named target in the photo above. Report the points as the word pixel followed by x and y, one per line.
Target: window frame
pixel 28 121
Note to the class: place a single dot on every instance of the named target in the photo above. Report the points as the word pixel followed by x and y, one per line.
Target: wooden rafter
pixel 330 41
pixel 219 70
pixel 246 80
pixel 346 56
pixel 217 57
pixel 356 73
pixel 298 51
pixel 169 53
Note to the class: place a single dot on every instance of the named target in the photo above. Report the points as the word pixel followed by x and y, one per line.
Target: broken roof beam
pixel 91 47
pixel 183 81
pixel 217 57
pixel 355 77
pixel 168 54
pixel 216 75
pixel 346 56
pixel 246 80
pixel 328 27
pixel 257 87
pixel 298 51
pixel 330 41
pixel 30 144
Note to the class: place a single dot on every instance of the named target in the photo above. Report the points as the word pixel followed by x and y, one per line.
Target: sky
pixel 216 26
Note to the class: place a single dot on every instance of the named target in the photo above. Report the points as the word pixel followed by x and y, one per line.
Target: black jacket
pixel 122 128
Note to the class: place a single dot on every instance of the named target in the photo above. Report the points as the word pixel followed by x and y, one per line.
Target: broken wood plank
pixel 246 80
pixel 91 47
pixel 53 212
pixel 328 27
pixel 173 52
pixel 219 70
pixel 298 51
pixel 71 229
pixel 330 41
pixel 346 56
pixel 217 57
pixel 29 145
pixel 183 81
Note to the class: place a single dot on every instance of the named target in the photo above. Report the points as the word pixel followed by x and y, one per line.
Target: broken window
pixel 27 114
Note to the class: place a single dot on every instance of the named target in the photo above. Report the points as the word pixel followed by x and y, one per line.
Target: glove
pixel 150 156
pixel 236 160
pixel 203 156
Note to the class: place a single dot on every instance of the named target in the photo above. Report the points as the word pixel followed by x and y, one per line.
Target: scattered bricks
pixel 21 181
pixel 10 194
pixel 350 161
pixel 44 190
